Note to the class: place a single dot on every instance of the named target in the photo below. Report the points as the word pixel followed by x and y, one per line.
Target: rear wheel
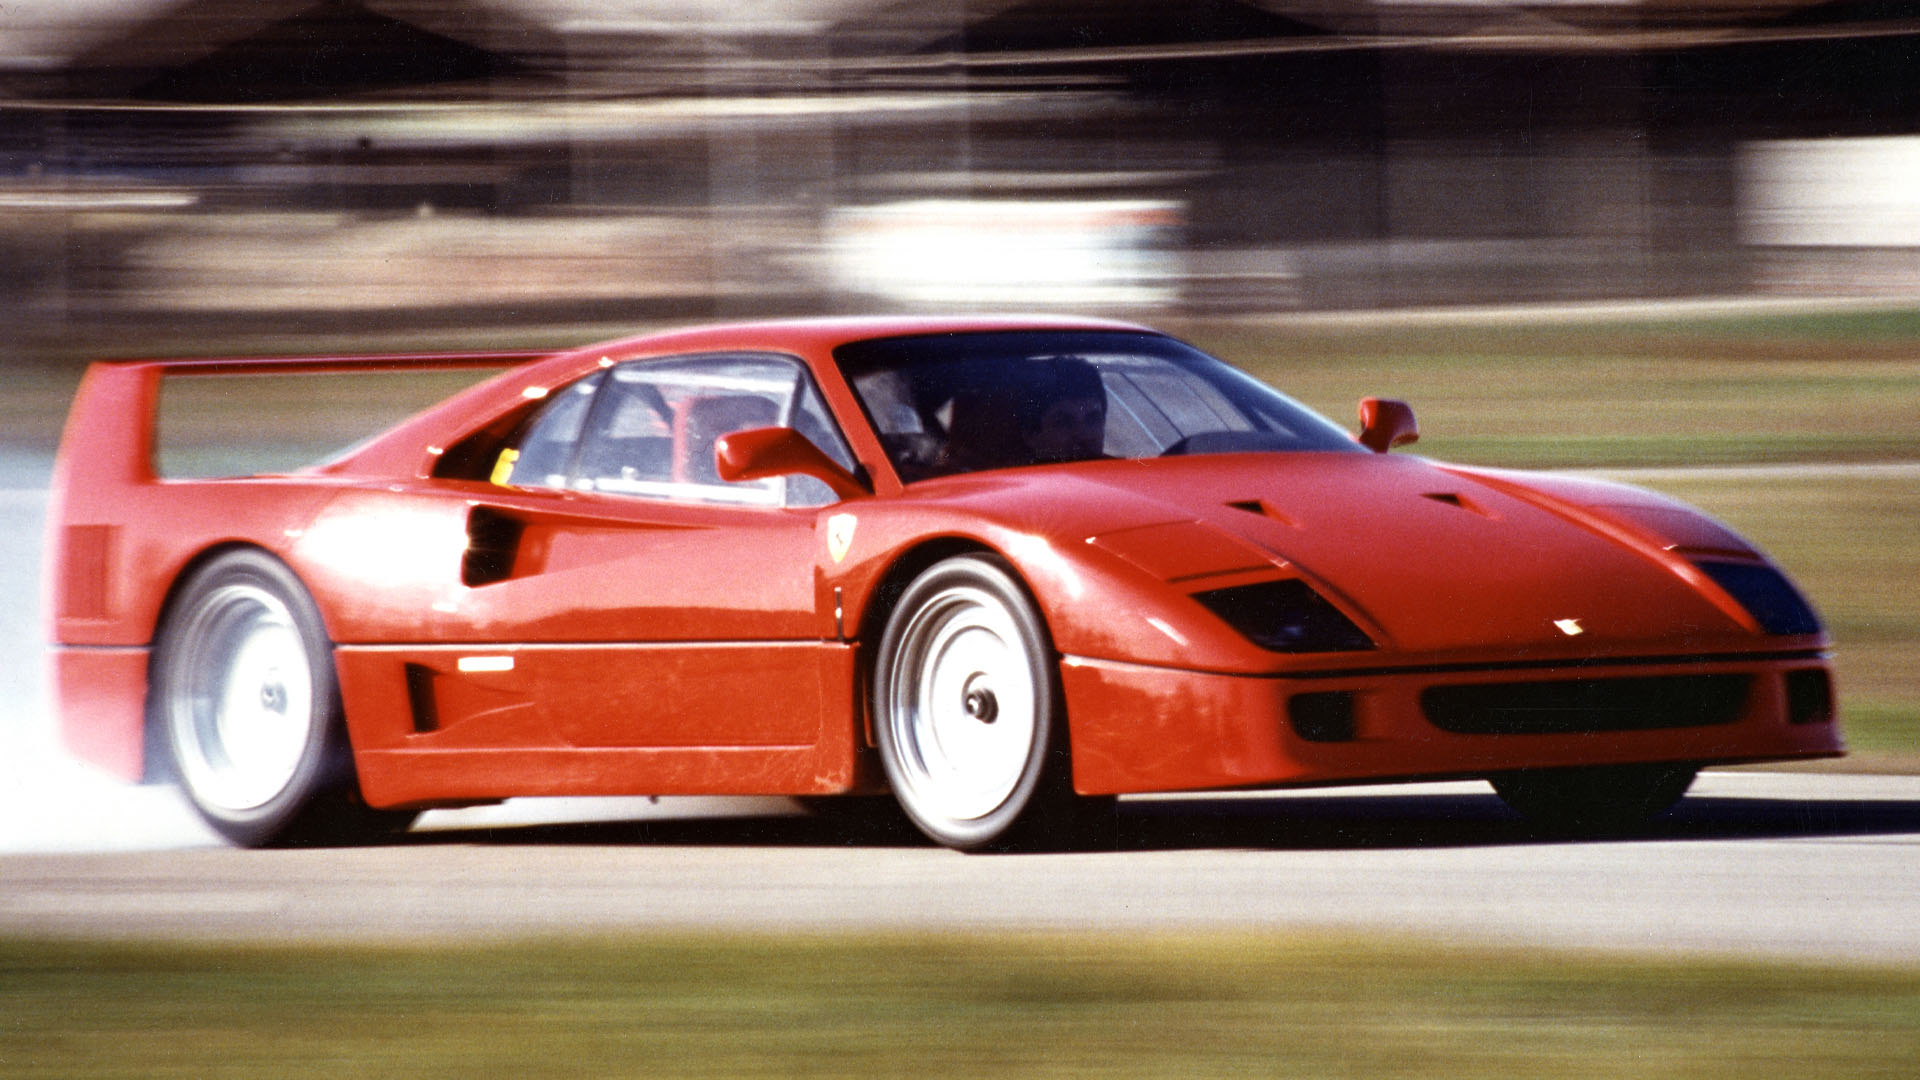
pixel 245 694
pixel 967 715
pixel 1594 799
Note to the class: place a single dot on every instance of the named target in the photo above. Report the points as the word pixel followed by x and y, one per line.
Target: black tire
pixel 247 705
pixel 1595 799
pixel 968 716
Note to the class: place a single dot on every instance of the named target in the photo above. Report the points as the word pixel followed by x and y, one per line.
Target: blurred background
pixel 282 165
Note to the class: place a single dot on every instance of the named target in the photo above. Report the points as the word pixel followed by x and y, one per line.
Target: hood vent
pixel 1265 510
pixel 1455 499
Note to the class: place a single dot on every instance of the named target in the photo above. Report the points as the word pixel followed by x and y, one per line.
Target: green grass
pixel 1560 397
pixel 940 1005
pixel 1883 734
pixel 1899 324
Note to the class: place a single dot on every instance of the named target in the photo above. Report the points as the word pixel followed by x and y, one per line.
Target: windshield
pixel 955 403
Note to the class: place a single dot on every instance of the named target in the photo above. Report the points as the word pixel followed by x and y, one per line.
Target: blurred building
pixel 286 161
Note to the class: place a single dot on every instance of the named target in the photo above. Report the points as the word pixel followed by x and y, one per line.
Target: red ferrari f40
pixel 1004 569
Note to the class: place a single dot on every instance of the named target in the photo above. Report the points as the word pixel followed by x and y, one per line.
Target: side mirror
pixel 759 453
pixel 1385 424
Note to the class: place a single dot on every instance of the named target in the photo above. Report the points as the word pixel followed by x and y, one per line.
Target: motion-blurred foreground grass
pixel 945 1005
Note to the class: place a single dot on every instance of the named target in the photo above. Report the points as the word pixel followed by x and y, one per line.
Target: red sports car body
pixel 1001 568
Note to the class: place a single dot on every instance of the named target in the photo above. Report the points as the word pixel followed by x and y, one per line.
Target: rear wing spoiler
pixel 105 473
pixel 109 435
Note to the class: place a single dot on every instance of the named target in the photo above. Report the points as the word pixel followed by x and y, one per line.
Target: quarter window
pixel 545 453
pixel 649 428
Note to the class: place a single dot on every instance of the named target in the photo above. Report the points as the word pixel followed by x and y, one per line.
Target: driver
pixel 1063 411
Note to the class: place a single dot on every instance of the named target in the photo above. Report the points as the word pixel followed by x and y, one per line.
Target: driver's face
pixel 1071 429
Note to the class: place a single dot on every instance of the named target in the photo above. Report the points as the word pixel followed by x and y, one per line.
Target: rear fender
pixel 118 537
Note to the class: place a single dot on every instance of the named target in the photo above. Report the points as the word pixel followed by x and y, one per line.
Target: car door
pixel 634 598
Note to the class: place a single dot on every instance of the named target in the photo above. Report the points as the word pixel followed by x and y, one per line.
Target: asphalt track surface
pixel 1755 864
pixel 1806 865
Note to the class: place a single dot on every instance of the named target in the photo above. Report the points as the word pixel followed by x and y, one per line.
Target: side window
pixel 649 428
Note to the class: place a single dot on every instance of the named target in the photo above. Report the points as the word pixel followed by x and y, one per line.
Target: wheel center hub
pixel 273 696
pixel 979 702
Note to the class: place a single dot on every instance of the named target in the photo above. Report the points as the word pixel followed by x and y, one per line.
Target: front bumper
pixel 1137 728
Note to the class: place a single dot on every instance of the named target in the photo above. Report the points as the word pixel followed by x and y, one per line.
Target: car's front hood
pixel 1426 559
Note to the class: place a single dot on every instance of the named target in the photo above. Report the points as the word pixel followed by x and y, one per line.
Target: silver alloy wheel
pixel 962 705
pixel 245 698
pixel 963 702
pixel 241 699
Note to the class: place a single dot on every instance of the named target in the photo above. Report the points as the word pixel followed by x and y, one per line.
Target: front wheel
pixel 245 695
pixel 966 710
pixel 1594 799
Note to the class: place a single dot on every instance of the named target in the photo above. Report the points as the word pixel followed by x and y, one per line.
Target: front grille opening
pixel 1809 697
pixel 1322 717
pixel 1572 706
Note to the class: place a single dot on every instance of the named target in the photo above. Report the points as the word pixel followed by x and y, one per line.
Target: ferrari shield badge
pixel 840 535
